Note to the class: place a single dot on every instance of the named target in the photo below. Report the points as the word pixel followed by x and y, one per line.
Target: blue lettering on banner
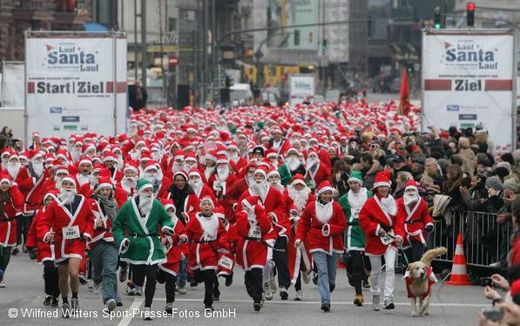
pixel 56 109
pixel 453 107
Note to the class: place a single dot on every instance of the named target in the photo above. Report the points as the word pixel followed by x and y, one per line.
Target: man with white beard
pixel 154 175
pixel 135 233
pixel 222 179
pixel 235 159
pixel 317 167
pixel 76 151
pixel 60 173
pixel 129 180
pixel 292 166
pixel 15 169
pixel 275 207
pixel 85 170
pixel 190 162
pixel 200 189
pixel 178 162
pixel 33 188
pixel 413 210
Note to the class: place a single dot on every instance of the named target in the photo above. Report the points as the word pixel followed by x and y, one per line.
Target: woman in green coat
pixel 351 202
pixel 135 232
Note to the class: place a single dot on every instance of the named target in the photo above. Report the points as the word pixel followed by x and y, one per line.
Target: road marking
pixel 345 303
pixel 125 321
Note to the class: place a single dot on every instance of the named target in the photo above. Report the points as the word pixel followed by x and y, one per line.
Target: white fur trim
pixel 381 184
pixel 322 190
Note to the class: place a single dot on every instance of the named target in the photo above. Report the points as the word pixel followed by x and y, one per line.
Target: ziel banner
pixel 75 83
pixel 468 81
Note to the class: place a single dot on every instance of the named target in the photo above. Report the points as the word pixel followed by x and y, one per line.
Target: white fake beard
pixel 323 212
pixel 177 168
pixel 58 181
pixel 120 162
pixel 275 163
pixel 312 164
pixel 389 205
pixel 93 181
pixel 250 181
pixel 13 169
pixel 299 197
pixel 292 163
pixel 151 178
pixel 173 218
pixel 196 185
pixel 145 204
pixel 278 185
pixel 259 188
pixel 67 196
pixel 83 179
pixel 75 154
pixel 410 198
pixel 223 173
pixel 128 182
pixel 187 167
pixel 233 157
pixel 4 164
pixel 38 169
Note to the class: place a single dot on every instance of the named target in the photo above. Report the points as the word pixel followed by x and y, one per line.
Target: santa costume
pixel 322 225
pixel 383 233
pixel 413 210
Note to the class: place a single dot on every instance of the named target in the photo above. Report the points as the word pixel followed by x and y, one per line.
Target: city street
pixel 449 306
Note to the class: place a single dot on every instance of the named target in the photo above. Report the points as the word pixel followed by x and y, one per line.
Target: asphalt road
pixel 24 295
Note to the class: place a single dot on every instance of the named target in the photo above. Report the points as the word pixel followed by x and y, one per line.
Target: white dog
pixel 419 279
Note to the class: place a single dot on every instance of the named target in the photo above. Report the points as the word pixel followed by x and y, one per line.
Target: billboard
pixel 468 81
pixel 282 13
pixel 75 83
pixel 301 87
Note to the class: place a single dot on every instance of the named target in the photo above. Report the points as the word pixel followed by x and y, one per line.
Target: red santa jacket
pixel 320 175
pixel 33 191
pixel 313 232
pixel 250 234
pixel 415 218
pixel 274 205
pixel 12 208
pixel 174 251
pixel 45 250
pixel 57 216
pixel 282 148
pixel 203 249
pixel 372 218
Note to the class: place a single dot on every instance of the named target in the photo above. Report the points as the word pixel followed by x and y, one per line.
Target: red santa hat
pixel 207 199
pixel 298 179
pixel 62 170
pixel 168 203
pixel 323 187
pixel 195 171
pixel 54 193
pixel 179 155
pixel 382 179
pixel 151 165
pixel 84 160
pixel 104 182
pixel 181 173
pixel 190 157
pixel 273 172
pixel 261 170
pixel 212 155
pixel 271 153
pixel 131 165
pixel 109 156
pixel 222 159
pixel 411 184
pixel 4 177
pixel 70 179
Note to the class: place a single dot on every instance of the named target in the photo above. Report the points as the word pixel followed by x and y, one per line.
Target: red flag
pixel 404 95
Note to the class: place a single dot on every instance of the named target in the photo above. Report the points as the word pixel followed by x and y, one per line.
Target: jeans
pixel 104 258
pixel 376 275
pixel 326 265
pixel 415 252
pixel 183 273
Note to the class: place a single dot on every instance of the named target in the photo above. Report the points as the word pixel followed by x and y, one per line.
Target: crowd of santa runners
pixel 186 197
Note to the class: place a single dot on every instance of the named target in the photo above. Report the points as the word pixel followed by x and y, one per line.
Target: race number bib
pixel 70 232
pixel 225 262
pixel 254 231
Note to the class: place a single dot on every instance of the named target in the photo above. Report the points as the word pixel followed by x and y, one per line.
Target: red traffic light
pixel 470 6
pixel 173 61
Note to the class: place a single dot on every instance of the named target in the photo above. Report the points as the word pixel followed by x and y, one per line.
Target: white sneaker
pixel 2 284
pixel 138 291
pixel 182 290
pixel 147 313
pixel 299 295
pixel 97 288
pixel 267 291
pixel 272 284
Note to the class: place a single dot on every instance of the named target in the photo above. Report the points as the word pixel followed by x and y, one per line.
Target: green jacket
pixel 145 247
pixel 354 236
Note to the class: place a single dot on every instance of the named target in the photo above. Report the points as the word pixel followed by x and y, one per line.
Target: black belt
pixel 204 241
pixel 253 239
pixel 9 219
pixel 412 222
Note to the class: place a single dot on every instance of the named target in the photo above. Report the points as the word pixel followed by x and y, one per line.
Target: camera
pixel 486 281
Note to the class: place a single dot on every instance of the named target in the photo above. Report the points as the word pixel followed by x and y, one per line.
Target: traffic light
pixel 470 14
pixel 173 62
pixel 437 18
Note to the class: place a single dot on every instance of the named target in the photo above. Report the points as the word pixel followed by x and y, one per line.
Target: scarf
pixel 108 206
pixel 4 198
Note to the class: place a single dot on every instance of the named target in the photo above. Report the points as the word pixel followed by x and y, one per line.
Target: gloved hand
pixel 429 228
pixel 297 243
pixel 381 233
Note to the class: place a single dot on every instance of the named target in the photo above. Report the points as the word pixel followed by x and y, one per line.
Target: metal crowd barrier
pixel 486 243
